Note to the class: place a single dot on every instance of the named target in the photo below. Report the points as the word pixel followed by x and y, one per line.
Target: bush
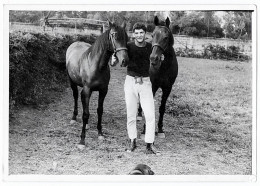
pixel 188 52
pixel 213 52
pixel 37 65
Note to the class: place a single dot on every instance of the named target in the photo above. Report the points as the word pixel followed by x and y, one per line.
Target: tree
pixel 238 24
pixel 136 16
pixel 197 23
pixel 208 18
pixel 97 16
pixel 176 23
pixel 25 16
pixel 90 16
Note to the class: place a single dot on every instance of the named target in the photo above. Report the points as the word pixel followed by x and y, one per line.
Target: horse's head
pixel 118 37
pixel 161 39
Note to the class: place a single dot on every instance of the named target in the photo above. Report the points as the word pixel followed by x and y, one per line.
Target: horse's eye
pixel 115 35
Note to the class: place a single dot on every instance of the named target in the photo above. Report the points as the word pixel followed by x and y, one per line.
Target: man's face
pixel 139 35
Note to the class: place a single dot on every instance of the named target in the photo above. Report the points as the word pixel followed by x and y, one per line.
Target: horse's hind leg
pixel 101 98
pixel 165 95
pixel 75 96
pixel 139 114
pixel 85 97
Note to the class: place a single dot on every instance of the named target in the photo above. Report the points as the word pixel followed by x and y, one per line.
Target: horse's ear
pixel 156 21
pixel 123 25
pixel 167 21
pixel 110 24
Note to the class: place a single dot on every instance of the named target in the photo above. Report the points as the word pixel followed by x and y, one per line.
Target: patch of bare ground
pixel 207 124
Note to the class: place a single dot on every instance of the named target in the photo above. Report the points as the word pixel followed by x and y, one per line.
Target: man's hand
pixel 114 60
pixel 162 57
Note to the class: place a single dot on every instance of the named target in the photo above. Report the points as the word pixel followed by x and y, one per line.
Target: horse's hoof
pixel 72 121
pixel 87 126
pixel 101 138
pixel 139 118
pixel 81 147
pixel 161 135
pixel 142 136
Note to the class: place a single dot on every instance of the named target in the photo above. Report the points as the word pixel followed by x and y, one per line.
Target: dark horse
pixel 87 67
pixel 162 73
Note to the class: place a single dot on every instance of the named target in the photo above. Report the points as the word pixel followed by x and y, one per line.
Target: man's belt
pixel 138 80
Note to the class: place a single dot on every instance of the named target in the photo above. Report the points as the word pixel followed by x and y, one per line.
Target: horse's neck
pixel 103 62
pixel 100 53
pixel 168 57
pixel 169 53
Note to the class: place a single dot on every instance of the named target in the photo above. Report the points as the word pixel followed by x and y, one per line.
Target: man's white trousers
pixel 143 92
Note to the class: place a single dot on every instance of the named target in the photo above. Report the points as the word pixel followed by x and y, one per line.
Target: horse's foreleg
pixel 165 95
pixel 85 97
pixel 75 96
pixel 101 98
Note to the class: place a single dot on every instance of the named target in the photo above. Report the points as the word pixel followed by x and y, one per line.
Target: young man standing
pixel 138 87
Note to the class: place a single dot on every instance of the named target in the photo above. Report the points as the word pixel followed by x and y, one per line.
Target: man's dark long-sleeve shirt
pixel 139 59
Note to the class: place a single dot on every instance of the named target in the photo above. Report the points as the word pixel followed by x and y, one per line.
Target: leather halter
pixel 157 44
pixel 111 36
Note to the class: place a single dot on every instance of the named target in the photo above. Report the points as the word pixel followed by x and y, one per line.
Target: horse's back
pixel 75 51
pixel 73 58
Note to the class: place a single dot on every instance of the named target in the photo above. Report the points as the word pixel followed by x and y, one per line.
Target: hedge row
pixel 37 65
pixel 214 52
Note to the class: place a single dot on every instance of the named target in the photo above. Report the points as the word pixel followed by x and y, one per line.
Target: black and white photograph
pixel 116 90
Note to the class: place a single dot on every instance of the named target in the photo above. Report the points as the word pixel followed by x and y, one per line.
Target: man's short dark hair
pixel 139 26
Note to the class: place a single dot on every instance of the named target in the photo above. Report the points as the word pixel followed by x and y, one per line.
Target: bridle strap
pixel 111 35
pixel 118 49
pixel 158 45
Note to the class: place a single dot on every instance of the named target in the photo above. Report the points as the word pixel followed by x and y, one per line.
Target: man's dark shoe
pixel 150 149
pixel 132 146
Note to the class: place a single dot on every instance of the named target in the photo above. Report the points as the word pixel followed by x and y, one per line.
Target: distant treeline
pixel 232 24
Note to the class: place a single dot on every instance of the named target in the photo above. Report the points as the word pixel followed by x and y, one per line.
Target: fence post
pixel 191 42
pixel 226 44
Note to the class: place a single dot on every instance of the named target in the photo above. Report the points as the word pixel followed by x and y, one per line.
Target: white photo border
pixel 16 5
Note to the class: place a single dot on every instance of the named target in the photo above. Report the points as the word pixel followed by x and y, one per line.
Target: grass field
pixel 212 102
pixel 208 128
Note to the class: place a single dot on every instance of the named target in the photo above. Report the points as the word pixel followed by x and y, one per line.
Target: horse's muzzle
pixel 154 60
pixel 155 65
pixel 124 63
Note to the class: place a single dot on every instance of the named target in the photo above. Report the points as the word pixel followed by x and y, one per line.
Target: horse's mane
pixel 103 44
pixel 102 41
pixel 171 41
